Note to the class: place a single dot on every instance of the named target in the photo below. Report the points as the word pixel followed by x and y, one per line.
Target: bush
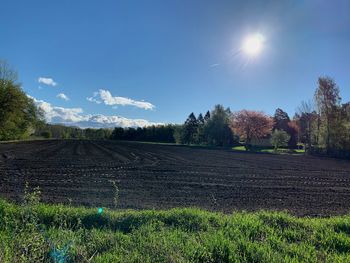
pixel 46 134
pixel 279 138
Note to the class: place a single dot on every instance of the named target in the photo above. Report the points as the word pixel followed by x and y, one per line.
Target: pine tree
pixel 190 130
pixel 281 120
pixel 201 122
pixel 200 119
pixel 207 116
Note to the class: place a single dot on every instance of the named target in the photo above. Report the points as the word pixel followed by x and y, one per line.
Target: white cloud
pixel 59 114
pixel 108 99
pixel 103 121
pixel 75 117
pixel 62 96
pixel 92 99
pixel 47 81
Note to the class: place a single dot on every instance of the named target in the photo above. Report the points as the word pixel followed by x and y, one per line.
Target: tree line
pixel 321 125
pixel 161 133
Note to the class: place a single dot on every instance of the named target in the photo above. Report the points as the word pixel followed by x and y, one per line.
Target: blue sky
pixel 178 56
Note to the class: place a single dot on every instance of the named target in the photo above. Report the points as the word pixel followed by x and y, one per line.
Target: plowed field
pixel 164 176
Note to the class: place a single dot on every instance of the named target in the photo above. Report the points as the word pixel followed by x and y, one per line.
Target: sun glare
pixel 253 44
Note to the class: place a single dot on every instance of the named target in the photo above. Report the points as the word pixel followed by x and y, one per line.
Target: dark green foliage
pixel 97 134
pixel 217 130
pixel 200 131
pixel 46 134
pixel 207 116
pixel 326 129
pixel 328 101
pixel 190 130
pixel 279 138
pixel 281 120
pixel 64 132
pixel 213 129
pixel 161 133
pixel 18 114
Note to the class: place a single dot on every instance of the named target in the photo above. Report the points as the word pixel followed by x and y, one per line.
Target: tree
pixel 18 113
pixel 178 131
pixel 200 119
pixel 201 123
pixel 161 133
pixel 46 134
pixel 281 120
pixel 328 100
pixel 306 119
pixel 190 130
pixel 345 111
pixel 279 138
pixel 117 134
pixel 251 125
pixel 207 116
pixel 217 128
pixel 293 132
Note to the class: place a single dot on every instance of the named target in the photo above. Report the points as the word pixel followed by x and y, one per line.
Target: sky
pixel 135 63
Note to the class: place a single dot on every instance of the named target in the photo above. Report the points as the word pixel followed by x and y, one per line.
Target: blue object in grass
pixel 100 210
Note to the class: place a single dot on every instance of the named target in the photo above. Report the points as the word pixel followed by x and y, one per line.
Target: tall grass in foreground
pixel 35 232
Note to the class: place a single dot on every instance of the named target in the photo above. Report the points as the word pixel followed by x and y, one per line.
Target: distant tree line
pixel 321 125
pixel 161 133
pixel 57 131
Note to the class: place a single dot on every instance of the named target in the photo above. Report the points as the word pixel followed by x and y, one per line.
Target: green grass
pixel 239 148
pixel 270 150
pixel 56 233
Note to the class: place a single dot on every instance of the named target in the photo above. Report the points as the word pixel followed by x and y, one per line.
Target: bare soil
pixel 165 176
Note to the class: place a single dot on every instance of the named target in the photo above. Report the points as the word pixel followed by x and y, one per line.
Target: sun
pixel 253 44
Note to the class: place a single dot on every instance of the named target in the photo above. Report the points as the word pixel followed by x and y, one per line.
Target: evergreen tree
pixel 281 120
pixel 207 116
pixel 190 130
pixel 200 119
pixel 201 122
pixel 217 130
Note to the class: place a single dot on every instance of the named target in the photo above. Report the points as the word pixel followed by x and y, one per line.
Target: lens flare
pixel 253 44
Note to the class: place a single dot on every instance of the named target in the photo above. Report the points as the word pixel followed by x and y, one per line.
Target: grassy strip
pixel 270 150
pixel 55 233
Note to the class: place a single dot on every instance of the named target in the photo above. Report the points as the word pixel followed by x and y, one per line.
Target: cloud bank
pixel 106 97
pixel 75 117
